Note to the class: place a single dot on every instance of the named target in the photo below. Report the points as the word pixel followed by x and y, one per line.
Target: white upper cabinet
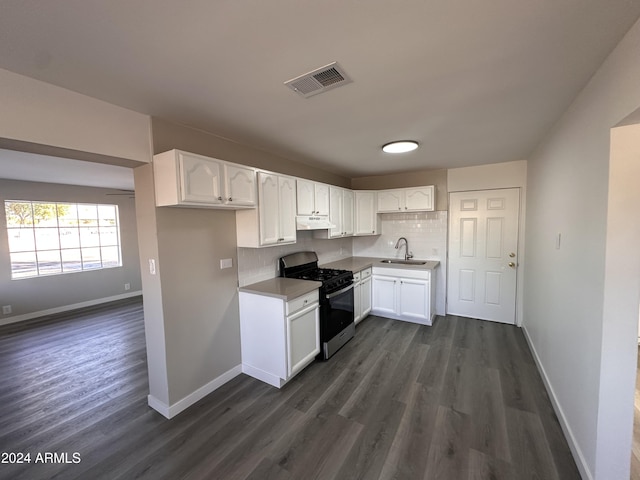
pixel 366 215
pixel 340 212
pixel 312 197
pixel 274 221
pixel 335 212
pixel 200 179
pixel 419 198
pixel 190 180
pixel 321 191
pixel 415 199
pixel 391 200
pixel 240 185
pixel 347 212
pixel 287 209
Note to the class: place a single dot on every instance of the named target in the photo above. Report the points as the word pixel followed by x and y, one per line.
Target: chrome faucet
pixel 407 253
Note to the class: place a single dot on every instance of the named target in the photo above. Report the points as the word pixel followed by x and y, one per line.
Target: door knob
pixel 512 254
pixel 512 264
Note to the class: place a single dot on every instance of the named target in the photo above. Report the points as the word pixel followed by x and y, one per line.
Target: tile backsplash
pixel 257 264
pixel 425 231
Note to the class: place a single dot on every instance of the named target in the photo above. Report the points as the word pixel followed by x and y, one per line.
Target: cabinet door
pixel 365 213
pixel 357 302
pixel 321 192
pixel 199 179
pixel 240 185
pixel 347 212
pixel 305 197
pixel 414 297
pixel 287 209
pixel 391 200
pixel 335 211
pixel 365 296
pixel 420 198
pixel 303 339
pixel 268 198
pixel 384 294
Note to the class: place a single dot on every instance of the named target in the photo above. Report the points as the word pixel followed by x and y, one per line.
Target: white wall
pixel 621 299
pixel 566 318
pixel 39 113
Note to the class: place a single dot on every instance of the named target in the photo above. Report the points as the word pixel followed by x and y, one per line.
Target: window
pixel 50 238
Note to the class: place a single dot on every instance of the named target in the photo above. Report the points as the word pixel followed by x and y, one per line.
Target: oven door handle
pixel 339 292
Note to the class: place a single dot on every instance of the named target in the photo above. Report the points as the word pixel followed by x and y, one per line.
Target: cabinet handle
pixel 230 199
pixel 220 198
pixel 405 208
pixel 373 231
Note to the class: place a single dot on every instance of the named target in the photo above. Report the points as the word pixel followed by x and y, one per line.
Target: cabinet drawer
pixel 301 302
pixel 356 277
pixel 366 273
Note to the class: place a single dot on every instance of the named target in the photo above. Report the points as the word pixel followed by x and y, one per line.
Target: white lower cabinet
pixel 403 294
pixel 361 294
pixel 279 338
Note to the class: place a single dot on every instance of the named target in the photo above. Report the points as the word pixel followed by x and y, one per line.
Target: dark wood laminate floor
pixel 459 400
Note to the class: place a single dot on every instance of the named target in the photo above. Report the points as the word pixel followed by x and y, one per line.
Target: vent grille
pixel 319 80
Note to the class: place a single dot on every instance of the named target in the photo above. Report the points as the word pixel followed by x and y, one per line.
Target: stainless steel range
pixel 336 298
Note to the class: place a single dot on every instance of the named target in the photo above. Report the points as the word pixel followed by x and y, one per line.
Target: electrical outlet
pixel 127 286
pixel 6 309
pixel 152 266
pixel 226 263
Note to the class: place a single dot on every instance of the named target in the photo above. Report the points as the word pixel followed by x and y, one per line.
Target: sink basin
pixel 404 262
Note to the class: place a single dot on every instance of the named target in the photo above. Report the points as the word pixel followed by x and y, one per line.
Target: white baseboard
pixel 170 411
pixel 66 308
pixel 273 380
pixel 578 456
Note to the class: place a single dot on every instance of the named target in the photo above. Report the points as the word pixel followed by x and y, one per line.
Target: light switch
pixel 558 237
pixel 226 263
pixel 152 266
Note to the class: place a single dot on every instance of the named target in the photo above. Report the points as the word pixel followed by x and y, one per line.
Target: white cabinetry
pixel 274 221
pixel 404 294
pixel 367 221
pixel 312 197
pixel 361 294
pixel 278 338
pixel 413 199
pixel 190 180
pixel 340 214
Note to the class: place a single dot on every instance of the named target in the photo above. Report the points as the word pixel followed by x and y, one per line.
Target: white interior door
pixel 483 254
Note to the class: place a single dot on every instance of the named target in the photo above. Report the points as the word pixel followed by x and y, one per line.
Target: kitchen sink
pixel 404 262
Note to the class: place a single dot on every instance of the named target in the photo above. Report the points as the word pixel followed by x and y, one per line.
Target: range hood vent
pixel 319 81
pixel 320 222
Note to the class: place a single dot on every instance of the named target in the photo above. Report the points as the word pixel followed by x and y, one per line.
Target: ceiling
pixel 473 81
pixel 43 168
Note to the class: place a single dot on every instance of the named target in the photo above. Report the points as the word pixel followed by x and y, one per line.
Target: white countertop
pixel 279 287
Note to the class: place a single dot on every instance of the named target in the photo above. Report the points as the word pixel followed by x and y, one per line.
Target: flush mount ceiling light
pixel 402 146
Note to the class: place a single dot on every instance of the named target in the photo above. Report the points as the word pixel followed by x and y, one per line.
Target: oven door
pixel 336 312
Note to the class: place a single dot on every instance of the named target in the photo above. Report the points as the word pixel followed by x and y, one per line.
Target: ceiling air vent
pixel 319 81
